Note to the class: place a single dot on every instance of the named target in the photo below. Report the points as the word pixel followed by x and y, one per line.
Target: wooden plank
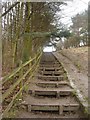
pixel 57 93
pixel 59 108
pixel 46 85
pixel 54 78
pixel 71 107
pixel 52 82
pixel 44 108
pixel 52 72
pixel 58 65
pixel 50 68
pixel 43 84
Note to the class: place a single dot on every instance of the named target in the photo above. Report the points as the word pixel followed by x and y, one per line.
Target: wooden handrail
pixel 17 70
pixel 5 95
pixel 12 102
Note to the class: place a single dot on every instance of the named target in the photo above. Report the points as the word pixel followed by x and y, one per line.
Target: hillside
pixel 75 60
pixel 78 56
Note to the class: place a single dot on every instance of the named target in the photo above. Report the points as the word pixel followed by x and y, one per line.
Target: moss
pixel 87 100
pixel 78 65
pixel 86 111
pixel 74 93
pixel 26 89
pixel 12 113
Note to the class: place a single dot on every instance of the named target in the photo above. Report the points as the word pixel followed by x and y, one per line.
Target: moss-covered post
pixel 20 75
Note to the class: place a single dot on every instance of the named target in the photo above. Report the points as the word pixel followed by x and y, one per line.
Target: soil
pixel 75 61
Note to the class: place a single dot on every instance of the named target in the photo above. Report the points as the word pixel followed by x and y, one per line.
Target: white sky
pixel 74 7
pixel 49 49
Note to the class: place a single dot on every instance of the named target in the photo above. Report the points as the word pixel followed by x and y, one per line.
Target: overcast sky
pixel 74 7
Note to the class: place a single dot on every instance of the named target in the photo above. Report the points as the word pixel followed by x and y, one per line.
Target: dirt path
pixel 76 63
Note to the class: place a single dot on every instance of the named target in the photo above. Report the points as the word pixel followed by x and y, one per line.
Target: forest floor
pixel 75 61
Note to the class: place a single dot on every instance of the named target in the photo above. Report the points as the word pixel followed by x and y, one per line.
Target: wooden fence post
pixel 20 75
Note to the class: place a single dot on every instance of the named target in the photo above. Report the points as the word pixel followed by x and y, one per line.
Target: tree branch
pixel 9 9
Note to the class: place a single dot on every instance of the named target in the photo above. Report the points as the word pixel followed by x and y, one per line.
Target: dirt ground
pixel 75 60
pixel 79 57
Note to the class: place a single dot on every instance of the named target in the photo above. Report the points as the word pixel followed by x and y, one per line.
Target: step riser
pixel 49 63
pixel 58 65
pixel 59 109
pixel 51 93
pixel 50 69
pixel 51 85
pixel 51 78
pixel 52 73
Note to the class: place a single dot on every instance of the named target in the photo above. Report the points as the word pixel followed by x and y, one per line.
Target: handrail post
pixel 20 75
pixel 35 59
pixel 30 64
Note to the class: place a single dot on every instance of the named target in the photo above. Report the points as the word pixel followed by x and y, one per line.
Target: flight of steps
pixel 50 92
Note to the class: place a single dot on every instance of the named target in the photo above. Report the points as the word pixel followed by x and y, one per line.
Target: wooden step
pixel 54 108
pixel 52 72
pixel 50 65
pixel 51 78
pixel 51 93
pixel 49 62
pixel 50 68
pixel 54 105
pixel 52 84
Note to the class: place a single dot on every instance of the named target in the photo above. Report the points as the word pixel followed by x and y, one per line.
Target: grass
pixel 12 113
pixel 78 65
